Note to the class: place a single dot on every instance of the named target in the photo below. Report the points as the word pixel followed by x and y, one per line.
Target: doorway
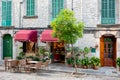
pixel 108 50
pixel 58 52
pixel 7 46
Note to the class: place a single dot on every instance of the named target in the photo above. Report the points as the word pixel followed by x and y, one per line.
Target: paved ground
pixel 51 75
pixel 103 71
pixel 60 71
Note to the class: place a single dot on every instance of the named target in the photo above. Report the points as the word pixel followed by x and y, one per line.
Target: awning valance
pixel 46 36
pixel 26 35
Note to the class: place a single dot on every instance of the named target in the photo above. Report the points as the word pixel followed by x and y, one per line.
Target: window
pixel 108 12
pixel 30 8
pixel 57 5
pixel 6 12
pixel 93 50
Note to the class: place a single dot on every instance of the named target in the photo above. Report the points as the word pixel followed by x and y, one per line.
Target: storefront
pixel 57 48
pixel 29 40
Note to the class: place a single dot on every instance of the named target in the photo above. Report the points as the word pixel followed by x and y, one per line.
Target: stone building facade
pixel 90 12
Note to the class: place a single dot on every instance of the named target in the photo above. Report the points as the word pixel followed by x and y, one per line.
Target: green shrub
pixel 78 61
pixel 69 60
pixel 41 50
pixel 35 58
pixel 19 57
pixel 95 61
pixel 85 61
pixel 30 57
pixel 118 61
pixel 21 54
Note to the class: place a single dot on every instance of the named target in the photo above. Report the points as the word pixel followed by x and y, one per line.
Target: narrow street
pixel 61 72
pixel 51 75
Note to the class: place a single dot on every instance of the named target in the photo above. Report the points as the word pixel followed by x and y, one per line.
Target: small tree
pixel 66 28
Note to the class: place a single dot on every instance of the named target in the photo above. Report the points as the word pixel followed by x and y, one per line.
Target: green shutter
pixel 93 50
pixel 30 8
pixel 6 12
pixel 108 12
pixel 57 5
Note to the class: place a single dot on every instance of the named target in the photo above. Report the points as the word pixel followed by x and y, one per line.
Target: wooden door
pixel 102 51
pixel 108 52
pixel 7 46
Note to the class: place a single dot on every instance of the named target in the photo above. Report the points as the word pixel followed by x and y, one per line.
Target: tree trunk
pixel 73 54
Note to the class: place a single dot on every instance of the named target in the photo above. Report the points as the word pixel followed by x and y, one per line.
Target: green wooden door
pixel 7 46
pixel 108 12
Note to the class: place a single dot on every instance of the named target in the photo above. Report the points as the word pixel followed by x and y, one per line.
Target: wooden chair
pixel 28 59
pixel 14 65
pixel 36 66
pixel 6 63
pixel 23 65
pixel 46 64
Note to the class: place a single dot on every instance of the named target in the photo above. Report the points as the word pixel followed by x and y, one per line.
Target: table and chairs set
pixel 26 65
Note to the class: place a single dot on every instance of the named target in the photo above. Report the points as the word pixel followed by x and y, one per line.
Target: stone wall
pixel 42 12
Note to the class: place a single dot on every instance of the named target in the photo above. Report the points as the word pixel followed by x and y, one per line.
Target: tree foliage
pixel 66 27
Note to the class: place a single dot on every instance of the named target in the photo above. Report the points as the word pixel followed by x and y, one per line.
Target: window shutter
pixel 8 22
pixel 57 5
pixel 30 8
pixel 108 12
pixel 6 13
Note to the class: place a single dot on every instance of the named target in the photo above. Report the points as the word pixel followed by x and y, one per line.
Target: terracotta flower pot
pixel 69 65
pixel 95 67
pixel 85 67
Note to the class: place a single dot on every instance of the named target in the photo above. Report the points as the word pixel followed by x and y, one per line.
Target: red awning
pixel 46 36
pixel 26 35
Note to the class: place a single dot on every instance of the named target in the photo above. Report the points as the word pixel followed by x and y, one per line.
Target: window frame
pixel 28 14
pixel 108 20
pixel 6 19
pixel 53 13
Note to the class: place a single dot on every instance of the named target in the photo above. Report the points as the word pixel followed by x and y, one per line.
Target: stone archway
pixel 108 50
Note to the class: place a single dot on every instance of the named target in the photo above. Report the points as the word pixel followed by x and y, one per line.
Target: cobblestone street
pixel 51 75
pixel 59 72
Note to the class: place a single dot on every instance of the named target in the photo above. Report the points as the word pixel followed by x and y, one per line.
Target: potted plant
pixel 118 62
pixel 69 62
pixel 78 61
pixel 36 58
pixel 95 62
pixel 86 51
pixel 85 62
pixel 41 51
pixel 21 56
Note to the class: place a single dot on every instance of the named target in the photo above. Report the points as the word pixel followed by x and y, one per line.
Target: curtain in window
pixel 30 8
pixel 6 12
pixel 108 12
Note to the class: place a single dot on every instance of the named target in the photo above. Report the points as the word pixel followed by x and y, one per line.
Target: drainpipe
pixel 72 5
pixel 81 11
pixel 20 16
